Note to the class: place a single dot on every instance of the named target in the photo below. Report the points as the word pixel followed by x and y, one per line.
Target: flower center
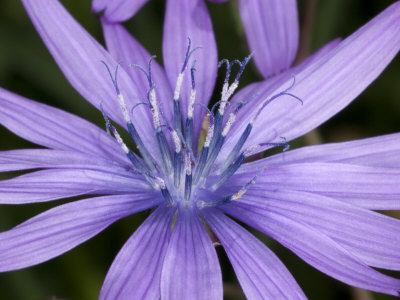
pixel 180 173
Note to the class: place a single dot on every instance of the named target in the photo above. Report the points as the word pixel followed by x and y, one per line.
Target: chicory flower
pixel 318 201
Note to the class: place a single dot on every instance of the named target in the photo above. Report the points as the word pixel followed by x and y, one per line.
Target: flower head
pixel 317 201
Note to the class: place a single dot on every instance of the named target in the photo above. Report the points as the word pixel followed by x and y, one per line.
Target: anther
pixel 189 120
pixel 177 159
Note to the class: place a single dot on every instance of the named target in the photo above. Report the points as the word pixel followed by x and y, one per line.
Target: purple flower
pixel 318 201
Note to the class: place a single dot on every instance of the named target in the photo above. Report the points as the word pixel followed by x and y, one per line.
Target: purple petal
pixel 25 159
pixel 370 236
pixel 382 152
pixel 262 90
pixel 118 10
pixel 47 185
pixel 260 272
pixel 317 249
pixel 368 187
pixel 64 227
pixel 192 21
pixel 54 128
pixel 123 47
pixel 80 58
pixel 136 271
pixel 191 268
pixel 272 31
pixel 99 5
pixel 329 84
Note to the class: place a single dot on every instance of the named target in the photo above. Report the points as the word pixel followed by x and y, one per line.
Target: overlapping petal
pixel 381 151
pixel 52 184
pixel 329 84
pixel 25 159
pixel 190 21
pixel 191 269
pixel 317 249
pixel 118 10
pixel 272 31
pixel 64 227
pixel 54 128
pixel 260 272
pixel 368 187
pixel 80 58
pixel 370 236
pixel 136 271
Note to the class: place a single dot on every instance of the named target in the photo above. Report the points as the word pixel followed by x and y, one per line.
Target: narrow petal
pixel 317 249
pixel 54 128
pixel 136 271
pixel 272 31
pixel 370 236
pixel 119 10
pixel 368 187
pixel 381 151
pixel 190 21
pixel 64 227
pixel 25 159
pixel 80 58
pixel 124 48
pixel 329 84
pixel 260 272
pixel 191 269
pixel 47 185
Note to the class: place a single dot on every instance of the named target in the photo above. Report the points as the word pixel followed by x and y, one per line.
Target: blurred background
pixel 27 69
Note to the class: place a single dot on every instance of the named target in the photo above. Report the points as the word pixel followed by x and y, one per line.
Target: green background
pixel 28 69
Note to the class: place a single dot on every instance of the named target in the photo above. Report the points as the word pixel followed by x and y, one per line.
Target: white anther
pixel 123 107
pixel 231 120
pixel 177 141
pixel 227 91
pixel 188 164
pixel 155 112
pixel 209 136
pixel 120 141
pixel 178 86
pixel 191 103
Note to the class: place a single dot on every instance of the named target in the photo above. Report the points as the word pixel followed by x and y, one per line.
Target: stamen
pixel 229 171
pixel 164 149
pixel 243 138
pixel 162 142
pixel 227 91
pixel 189 120
pixel 135 160
pixel 131 129
pixel 188 177
pixel 227 199
pixel 178 86
pixel 114 78
pixel 164 191
pixel 177 159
